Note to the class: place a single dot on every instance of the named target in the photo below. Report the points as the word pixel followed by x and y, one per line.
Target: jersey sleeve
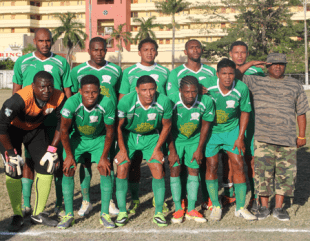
pixel 69 108
pixel 75 83
pixel 18 75
pixel 172 84
pixel 10 109
pixel 109 115
pixel 66 80
pixel 124 85
pixel 119 80
pixel 167 109
pixel 245 101
pixel 122 108
pixel 209 112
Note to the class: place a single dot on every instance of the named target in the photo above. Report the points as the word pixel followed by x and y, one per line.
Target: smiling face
pixel 90 94
pixel 193 50
pixel 239 54
pixel 226 76
pixel 148 54
pixel 43 89
pixel 43 42
pixel 276 70
pixel 97 53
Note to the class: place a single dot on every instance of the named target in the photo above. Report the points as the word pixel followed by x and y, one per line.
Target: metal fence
pixel 6 77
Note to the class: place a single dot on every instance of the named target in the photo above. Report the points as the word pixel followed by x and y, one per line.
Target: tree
pixel 121 37
pixel 146 28
pixel 266 27
pixel 7 64
pixel 72 32
pixel 171 7
pixel 30 48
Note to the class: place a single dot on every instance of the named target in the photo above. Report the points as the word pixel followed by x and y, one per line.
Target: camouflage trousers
pixel 275 169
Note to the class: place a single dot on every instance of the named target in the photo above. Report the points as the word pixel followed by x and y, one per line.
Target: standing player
pixel 21 120
pixel 109 76
pixel 232 103
pixel 142 115
pixel 92 117
pixel 239 53
pixel 193 67
pixel 148 52
pixel 25 69
pixel 191 119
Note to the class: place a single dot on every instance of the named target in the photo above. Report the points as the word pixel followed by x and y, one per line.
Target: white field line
pixel 154 231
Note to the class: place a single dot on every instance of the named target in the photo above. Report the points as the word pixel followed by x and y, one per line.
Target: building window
pixel 62 3
pixel 147 14
pixel 161 41
pixel 134 14
pixel 223 25
pixel 12 30
pixel 68 3
pixel 167 41
pixel 12 16
pixel 12 3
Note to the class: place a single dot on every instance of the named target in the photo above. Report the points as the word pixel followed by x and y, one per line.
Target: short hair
pixel 90 79
pixel 96 40
pixel 45 29
pixel 238 43
pixel 145 79
pixel 189 80
pixel 147 40
pixel 43 75
pixel 225 63
pixel 192 40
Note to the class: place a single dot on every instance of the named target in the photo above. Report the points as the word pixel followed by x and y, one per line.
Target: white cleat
pixel 216 214
pixel 85 208
pixel 244 213
pixel 113 210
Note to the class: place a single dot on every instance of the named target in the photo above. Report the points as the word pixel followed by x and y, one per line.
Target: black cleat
pixel 263 212
pixel 281 214
pixel 43 219
pixel 16 224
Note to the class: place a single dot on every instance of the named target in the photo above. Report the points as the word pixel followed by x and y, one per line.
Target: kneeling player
pixel 192 116
pixel 232 103
pixel 92 117
pixel 21 121
pixel 142 114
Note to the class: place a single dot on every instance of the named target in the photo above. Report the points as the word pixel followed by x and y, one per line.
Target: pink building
pixel 106 14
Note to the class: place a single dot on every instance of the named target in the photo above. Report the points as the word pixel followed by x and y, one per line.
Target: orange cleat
pixel 178 216
pixel 184 204
pixel 226 201
pixel 196 216
pixel 207 205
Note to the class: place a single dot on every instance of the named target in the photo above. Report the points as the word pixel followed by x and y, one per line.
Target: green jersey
pixel 186 122
pixel 109 76
pixel 254 71
pixel 28 65
pixel 129 81
pixel 178 73
pixel 228 106
pixel 141 120
pixel 89 123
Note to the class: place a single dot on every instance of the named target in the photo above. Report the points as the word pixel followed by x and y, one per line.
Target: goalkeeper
pixel 21 119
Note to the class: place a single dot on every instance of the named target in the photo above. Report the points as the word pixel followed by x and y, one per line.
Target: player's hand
pixel 259 64
pixel 157 155
pixel 173 158
pixel 104 166
pixel 51 157
pixel 13 164
pixel 198 156
pixel 301 142
pixel 239 143
pixel 120 157
pixel 68 163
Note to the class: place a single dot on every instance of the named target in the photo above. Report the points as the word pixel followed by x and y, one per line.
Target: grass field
pixel 140 226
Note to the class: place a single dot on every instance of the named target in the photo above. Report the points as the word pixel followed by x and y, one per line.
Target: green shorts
pixel 186 151
pixel 222 141
pixel 249 136
pixel 80 147
pixel 144 143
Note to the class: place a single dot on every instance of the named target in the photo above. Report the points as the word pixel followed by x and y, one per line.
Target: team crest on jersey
pixel 104 91
pixel 106 79
pixel 87 130
pixel 195 116
pixel 49 111
pixel 65 112
pixel 151 116
pixel 121 114
pixel 221 116
pixel 188 129
pixel 93 119
pixel 230 104
pixel 144 127
pixel 8 112
pixel 48 68
pixel 155 77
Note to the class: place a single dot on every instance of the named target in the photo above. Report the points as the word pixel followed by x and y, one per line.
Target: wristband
pixel 52 149
pixel 301 138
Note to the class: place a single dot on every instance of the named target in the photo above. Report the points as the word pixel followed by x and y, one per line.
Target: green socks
pixel 240 191
pixel 58 187
pixel 192 191
pixel 27 186
pixel 213 186
pixel 134 190
pixel 42 188
pixel 106 193
pixel 158 186
pixel 175 185
pixel 14 187
pixel 121 193
pixel 68 191
pixel 85 177
pixel 229 191
pixel 252 188
pixel 183 176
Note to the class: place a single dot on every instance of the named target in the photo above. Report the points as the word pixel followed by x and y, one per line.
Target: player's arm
pixel 66 80
pixel 302 123
pixel 122 154
pixel 302 106
pixel 173 155
pixel 68 92
pixel 16 87
pixel 17 77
